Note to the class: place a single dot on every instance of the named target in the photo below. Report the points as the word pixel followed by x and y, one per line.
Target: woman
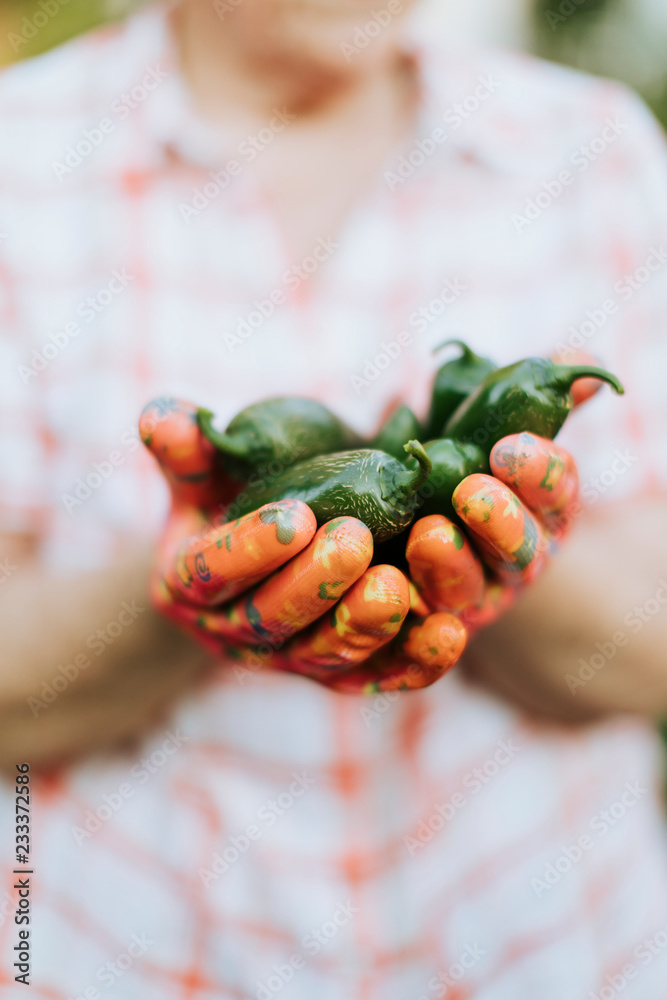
pixel 226 202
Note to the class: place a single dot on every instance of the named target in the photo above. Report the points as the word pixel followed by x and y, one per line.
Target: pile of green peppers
pixel 293 448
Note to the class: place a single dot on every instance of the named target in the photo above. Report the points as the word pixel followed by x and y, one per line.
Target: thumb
pixel 419 657
pixel 191 464
pixel 584 388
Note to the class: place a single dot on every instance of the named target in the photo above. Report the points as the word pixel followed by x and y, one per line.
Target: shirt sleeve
pixel 621 442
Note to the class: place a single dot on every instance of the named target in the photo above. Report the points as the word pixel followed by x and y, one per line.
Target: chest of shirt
pixel 141 301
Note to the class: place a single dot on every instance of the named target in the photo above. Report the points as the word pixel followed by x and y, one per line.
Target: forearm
pixel 53 626
pixel 86 660
pixel 590 636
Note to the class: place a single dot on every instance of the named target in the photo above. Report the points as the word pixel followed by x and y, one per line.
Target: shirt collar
pixel 172 122
pixel 451 79
pixel 463 101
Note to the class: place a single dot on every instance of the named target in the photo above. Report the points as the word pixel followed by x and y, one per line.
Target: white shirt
pixel 424 846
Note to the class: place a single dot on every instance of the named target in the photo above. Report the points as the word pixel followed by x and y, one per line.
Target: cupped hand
pixel 514 521
pixel 271 589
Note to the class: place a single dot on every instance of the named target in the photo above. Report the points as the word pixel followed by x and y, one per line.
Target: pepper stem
pixel 468 353
pixel 407 482
pixel 234 446
pixel 562 376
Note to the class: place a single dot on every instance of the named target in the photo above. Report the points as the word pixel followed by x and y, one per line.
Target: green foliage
pixel 558 25
pixel 29 27
pixel 607 37
pixel 576 13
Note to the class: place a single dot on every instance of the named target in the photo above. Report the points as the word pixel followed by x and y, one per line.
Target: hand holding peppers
pixel 514 520
pixel 271 589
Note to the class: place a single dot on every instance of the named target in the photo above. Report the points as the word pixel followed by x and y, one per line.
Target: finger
pixel 184 521
pixel 443 566
pixel 184 615
pixel 169 429
pixel 498 598
pixel 418 605
pixel 543 475
pixel 206 631
pixel 312 582
pixel 296 595
pixel 583 388
pixel 227 560
pixel 510 540
pixel 368 617
pixel 437 643
pixel 443 563
pixel 432 647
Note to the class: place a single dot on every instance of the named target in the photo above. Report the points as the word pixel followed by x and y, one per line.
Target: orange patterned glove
pixel 268 589
pixel 272 590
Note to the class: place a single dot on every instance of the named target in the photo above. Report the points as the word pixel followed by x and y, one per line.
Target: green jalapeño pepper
pixel 367 484
pixel 453 382
pixel 532 395
pixel 401 426
pixel 451 462
pixel 278 432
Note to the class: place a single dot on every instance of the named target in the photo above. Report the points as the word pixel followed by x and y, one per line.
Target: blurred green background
pixel 28 27
pixel 626 39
